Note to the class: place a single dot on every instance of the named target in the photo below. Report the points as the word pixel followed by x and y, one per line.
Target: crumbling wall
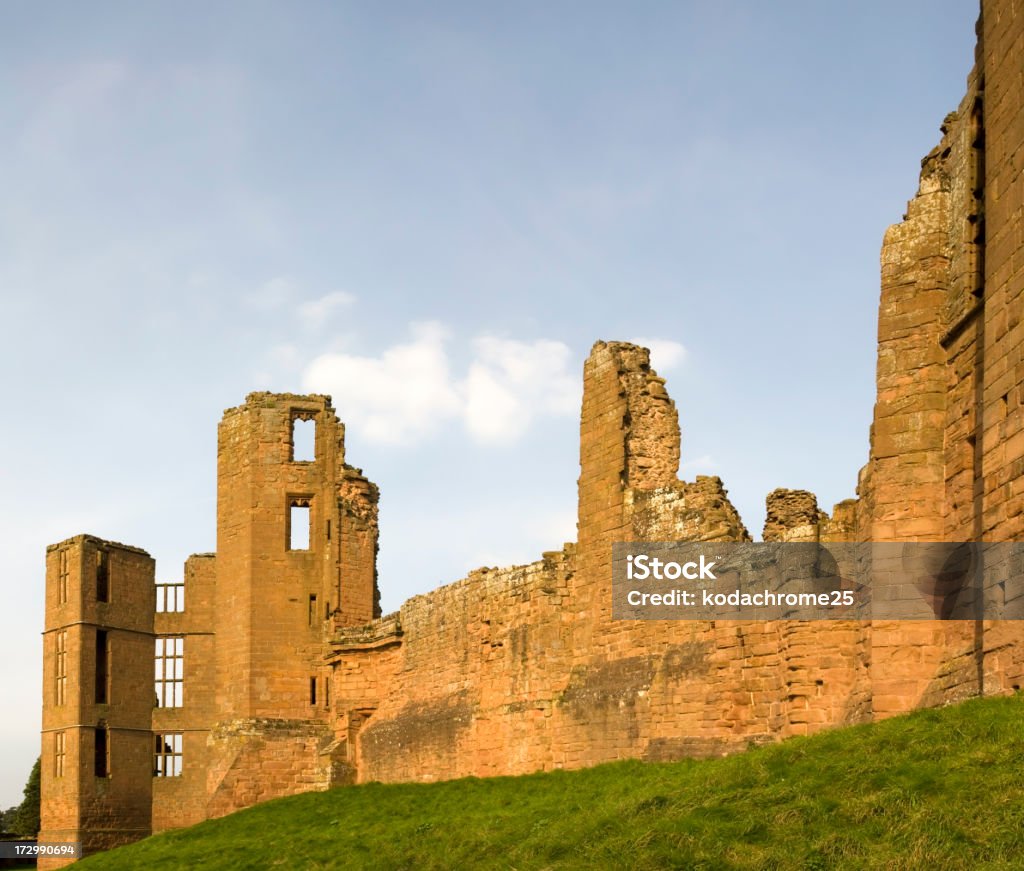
pixel 519 669
pixel 947 446
pixel 358 596
pixel 294 682
pixel 254 760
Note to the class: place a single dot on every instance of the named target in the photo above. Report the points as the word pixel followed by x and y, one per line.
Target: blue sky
pixel 432 211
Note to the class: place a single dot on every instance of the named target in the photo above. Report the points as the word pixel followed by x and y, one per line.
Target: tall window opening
pixel 59 753
pixel 170 598
pixel 312 690
pixel 170 671
pixel 303 437
pixel 102 750
pixel 61 662
pixel 102 576
pixel 167 756
pixel 975 230
pixel 62 578
pixel 102 667
pixel 299 519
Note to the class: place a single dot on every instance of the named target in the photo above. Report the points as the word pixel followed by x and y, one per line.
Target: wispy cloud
pixel 315 313
pixel 511 382
pixel 398 397
pixel 407 392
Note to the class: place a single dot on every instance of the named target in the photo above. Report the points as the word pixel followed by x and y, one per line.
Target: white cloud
pixel 397 397
pixel 510 382
pixel 665 353
pixel 409 390
pixel 313 313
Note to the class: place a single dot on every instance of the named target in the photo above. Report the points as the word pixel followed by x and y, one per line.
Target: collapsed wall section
pixel 519 669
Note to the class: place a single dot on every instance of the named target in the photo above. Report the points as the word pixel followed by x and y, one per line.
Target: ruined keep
pixel 275 672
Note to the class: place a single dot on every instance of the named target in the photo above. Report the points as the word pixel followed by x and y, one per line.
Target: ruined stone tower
pixel 296 547
pixel 238 710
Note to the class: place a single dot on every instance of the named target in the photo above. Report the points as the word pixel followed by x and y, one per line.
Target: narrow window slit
pixel 101 751
pixel 102 576
pixel 102 667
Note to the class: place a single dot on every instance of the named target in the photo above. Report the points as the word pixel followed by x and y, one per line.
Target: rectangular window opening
pixel 170 598
pixel 62 585
pixel 61 689
pixel 299 519
pixel 167 756
pixel 59 750
pixel 102 751
pixel 102 576
pixel 312 691
pixel 327 693
pixel 169 671
pixel 102 667
pixel 303 437
pixel 312 610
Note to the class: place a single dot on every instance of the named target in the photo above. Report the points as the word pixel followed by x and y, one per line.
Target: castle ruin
pixel 275 673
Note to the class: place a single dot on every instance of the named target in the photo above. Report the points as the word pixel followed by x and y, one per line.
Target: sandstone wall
pixel 293 681
pixel 945 463
pixel 99 633
pixel 946 442
pixel 519 669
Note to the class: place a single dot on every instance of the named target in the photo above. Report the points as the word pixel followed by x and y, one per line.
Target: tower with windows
pixel 96 775
pixel 164 702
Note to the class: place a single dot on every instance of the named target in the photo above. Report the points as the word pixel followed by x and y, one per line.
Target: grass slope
pixel 936 789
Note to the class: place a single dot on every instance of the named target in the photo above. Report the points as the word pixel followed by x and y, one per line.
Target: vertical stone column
pixel 1001 399
pixel 629 438
pixel 905 487
pixel 1003 395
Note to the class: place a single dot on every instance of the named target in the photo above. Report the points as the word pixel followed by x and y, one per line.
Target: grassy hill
pixel 937 789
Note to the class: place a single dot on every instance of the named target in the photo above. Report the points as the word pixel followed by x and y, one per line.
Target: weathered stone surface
pixel 519 669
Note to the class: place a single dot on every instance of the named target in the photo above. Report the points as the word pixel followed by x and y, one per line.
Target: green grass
pixel 936 789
